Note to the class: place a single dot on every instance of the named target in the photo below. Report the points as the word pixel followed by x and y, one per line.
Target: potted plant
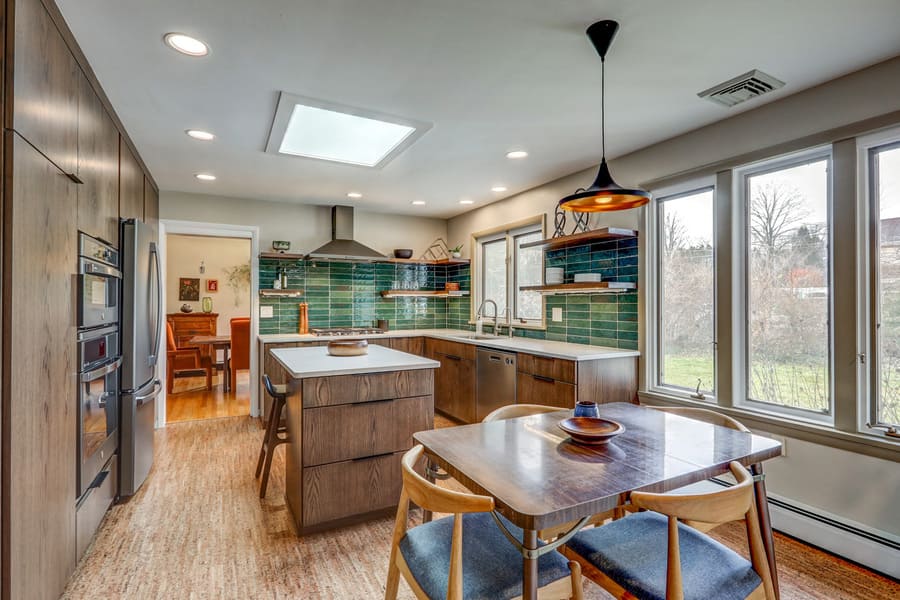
pixel 456 251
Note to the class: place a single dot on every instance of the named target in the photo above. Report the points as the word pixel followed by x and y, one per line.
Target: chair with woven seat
pixel 511 411
pixel 464 555
pixel 184 361
pixel 650 555
pixel 276 433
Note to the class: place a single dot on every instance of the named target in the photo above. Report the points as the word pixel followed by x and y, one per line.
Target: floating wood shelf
pixel 282 255
pixel 281 293
pixel 577 239
pixel 438 262
pixel 587 287
pixel 423 294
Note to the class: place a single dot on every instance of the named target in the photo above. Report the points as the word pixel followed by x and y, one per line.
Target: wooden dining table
pixel 217 342
pixel 540 479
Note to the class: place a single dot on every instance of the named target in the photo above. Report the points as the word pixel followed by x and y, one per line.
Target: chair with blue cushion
pixel 464 555
pixel 652 556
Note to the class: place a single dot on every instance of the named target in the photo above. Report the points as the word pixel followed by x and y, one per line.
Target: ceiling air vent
pixel 743 87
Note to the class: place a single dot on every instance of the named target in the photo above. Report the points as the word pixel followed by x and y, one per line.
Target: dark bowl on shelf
pixel 592 431
pixel 403 253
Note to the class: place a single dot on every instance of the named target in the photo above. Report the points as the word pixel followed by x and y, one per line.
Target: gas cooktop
pixel 342 331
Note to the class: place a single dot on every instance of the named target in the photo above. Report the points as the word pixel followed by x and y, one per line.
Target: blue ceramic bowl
pixel 587 409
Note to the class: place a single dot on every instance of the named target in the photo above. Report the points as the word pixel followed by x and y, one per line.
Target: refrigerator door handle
pixel 157 387
pixel 155 323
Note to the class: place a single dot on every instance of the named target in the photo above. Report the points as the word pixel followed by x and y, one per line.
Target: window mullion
pixel 726 290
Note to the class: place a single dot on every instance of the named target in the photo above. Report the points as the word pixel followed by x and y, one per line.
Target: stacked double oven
pixel 99 360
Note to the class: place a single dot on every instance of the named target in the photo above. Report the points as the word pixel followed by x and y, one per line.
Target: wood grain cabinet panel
pixel 608 380
pixel 537 389
pixel 45 102
pixel 372 387
pixel 98 167
pixel 151 203
pixel 545 366
pixel 410 345
pixel 41 394
pixel 131 184
pixel 448 348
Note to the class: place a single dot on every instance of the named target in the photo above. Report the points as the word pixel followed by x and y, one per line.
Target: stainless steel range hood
pixel 342 245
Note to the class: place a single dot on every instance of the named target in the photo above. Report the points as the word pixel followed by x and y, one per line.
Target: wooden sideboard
pixel 187 325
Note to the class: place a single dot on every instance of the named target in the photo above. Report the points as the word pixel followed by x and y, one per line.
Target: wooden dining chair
pixel 181 361
pixel 240 348
pixel 511 411
pixel 652 556
pixel 464 555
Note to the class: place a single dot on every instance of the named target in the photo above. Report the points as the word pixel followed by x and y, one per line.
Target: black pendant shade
pixel 605 194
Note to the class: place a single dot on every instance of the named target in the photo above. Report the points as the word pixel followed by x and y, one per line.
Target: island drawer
pixel 351 488
pixel 350 431
pixel 448 348
pixel 370 387
pixel 543 366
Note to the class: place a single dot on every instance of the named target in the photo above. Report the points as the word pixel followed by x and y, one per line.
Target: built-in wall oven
pixel 99 282
pixel 99 359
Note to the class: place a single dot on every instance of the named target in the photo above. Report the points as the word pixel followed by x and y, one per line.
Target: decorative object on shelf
pixel 582 221
pixel 592 431
pixel 206 304
pixel 437 250
pixel 281 246
pixel 202 268
pixel 212 285
pixel 452 286
pixel 189 289
pixel 587 408
pixel 403 253
pixel 348 347
pixel 382 324
pixel 303 318
pixel 553 275
pixel 604 194
pixel 588 278
pixel 456 251
pixel 187 308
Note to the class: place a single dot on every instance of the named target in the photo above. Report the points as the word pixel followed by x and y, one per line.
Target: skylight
pixel 327 131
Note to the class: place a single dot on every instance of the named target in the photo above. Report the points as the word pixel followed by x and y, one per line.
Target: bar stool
pixel 276 434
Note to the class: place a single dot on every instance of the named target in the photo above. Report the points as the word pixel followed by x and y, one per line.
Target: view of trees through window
pixel 886 185
pixel 494 274
pixel 687 291
pixel 502 275
pixel 529 263
pixel 788 286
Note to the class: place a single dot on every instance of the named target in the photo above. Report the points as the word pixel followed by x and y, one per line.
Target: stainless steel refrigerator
pixel 141 317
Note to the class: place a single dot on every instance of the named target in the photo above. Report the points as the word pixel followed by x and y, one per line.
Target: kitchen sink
pixel 479 337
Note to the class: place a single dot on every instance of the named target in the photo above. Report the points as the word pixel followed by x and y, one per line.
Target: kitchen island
pixel 350 419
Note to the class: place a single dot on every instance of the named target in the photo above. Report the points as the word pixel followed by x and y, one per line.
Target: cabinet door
pixel 42 383
pixel 98 167
pixel 45 86
pixel 537 389
pixel 443 383
pixel 131 184
pixel 463 398
pixel 151 203
pixel 411 345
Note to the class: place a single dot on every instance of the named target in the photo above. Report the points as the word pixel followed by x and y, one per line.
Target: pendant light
pixel 604 194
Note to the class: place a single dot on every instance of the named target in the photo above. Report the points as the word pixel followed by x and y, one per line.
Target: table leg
pixel 530 567
pixel 765 522
pixel 429 476
pixel 227 369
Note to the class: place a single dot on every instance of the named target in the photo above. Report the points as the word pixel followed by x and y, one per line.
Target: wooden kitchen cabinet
pixel 131 184
pixel 538 389
pixel 98 167
pixel 410 345
pixel 45 84
pixel 187 325
pixel 454 386
pixel 561 382
pixel 151 203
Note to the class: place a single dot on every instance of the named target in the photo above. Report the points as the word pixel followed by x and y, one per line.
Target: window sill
pixel 869 445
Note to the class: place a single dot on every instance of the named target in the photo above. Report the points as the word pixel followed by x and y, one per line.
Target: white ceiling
pixel 490 75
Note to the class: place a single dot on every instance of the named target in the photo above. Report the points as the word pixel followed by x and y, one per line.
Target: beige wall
pixel 306 227
pixel 183 256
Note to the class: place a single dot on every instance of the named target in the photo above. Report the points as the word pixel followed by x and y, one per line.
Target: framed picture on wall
pixel 188 289
pixel 212 285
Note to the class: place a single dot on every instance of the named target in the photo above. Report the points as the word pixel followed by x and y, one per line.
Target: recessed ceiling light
pixel 205 176
pixel 467 202
pixel 354 195
pixel 199 134
pixel 498 188
pixel 186 44
pixel 328 131
pixel 417 202
pixel 516 154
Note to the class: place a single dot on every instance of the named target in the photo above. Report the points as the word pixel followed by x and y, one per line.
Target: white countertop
pixel 564 350
pixel 315 361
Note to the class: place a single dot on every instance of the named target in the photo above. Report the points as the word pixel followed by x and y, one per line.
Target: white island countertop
pixel 303 363
pixel 548 348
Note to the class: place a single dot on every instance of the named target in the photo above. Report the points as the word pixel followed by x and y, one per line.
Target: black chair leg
pixel 267 440
pixel 274 420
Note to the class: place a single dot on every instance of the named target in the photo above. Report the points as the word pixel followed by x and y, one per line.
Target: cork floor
pixel 197 529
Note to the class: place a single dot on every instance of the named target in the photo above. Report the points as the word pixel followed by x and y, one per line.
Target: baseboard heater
pixel 857 544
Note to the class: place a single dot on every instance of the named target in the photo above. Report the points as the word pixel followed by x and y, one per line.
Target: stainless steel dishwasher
pixel 496 382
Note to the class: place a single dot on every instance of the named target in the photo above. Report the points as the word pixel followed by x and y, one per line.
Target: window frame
pixel 660 197
pixel 509 233
pixel 741 293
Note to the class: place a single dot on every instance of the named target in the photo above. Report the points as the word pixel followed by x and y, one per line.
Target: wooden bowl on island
pixel 348 347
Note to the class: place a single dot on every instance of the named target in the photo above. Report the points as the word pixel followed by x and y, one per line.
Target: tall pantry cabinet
pixel 63 171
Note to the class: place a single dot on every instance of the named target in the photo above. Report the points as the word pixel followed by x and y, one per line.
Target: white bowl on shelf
pixel 588 278
pixel 553 275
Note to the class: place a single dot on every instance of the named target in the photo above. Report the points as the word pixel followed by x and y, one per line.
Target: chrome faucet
pixel 509 326
pixel 480 313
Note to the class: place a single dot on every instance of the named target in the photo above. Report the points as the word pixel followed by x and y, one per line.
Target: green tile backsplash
pixel 345 294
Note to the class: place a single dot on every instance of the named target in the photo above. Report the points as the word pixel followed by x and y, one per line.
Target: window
pixel 884 178
pixel 686 285
pixel 505 266
pixel 787 283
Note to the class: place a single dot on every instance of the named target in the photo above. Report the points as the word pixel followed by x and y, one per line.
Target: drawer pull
pixel 362 458
pixel 453 357
pixel 543 378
